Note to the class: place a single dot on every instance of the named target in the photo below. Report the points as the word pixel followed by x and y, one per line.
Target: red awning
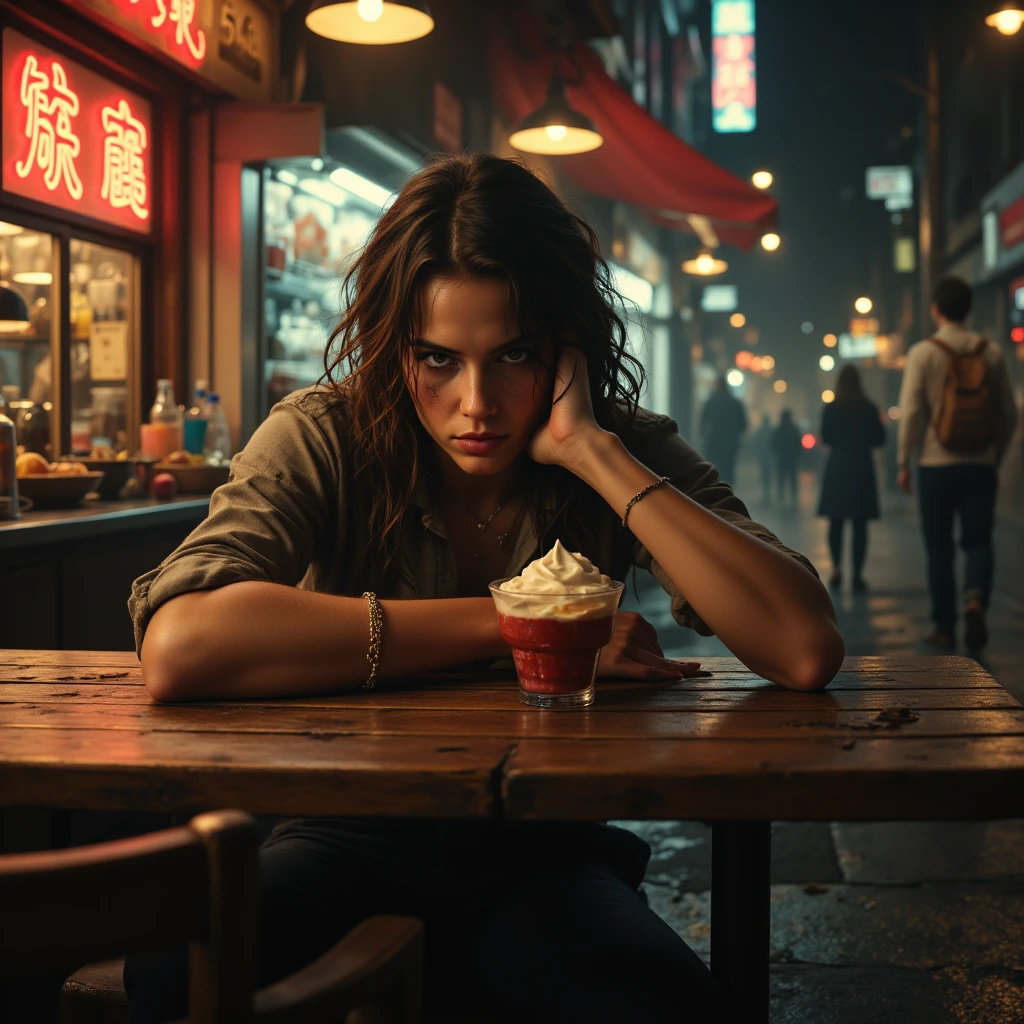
pixel 641 161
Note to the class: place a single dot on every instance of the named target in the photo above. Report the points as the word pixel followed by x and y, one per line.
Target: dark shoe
pixel 975 630
pixel 940 638
pixel 859 584
pixel 836 580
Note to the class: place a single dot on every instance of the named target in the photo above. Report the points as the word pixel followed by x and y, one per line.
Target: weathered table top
pixel 78 730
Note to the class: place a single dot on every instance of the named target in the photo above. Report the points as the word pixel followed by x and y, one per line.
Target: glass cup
pixel 556 640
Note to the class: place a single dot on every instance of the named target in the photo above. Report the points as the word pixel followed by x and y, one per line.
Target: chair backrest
pixel 197 884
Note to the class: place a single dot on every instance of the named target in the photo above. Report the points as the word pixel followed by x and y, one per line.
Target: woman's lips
pixel 480 445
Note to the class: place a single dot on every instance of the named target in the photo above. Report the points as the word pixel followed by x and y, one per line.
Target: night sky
pixel 822 120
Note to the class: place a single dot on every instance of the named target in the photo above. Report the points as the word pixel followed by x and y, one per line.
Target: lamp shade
pixel 13 311
pixel 370 22
pixel 554 128
pixel 1008 19
pixel 705 265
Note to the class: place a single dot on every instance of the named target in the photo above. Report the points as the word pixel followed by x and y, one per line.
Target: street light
pixel 863 305
pixel 770 242
pixel 737 320
pixel 827 363
pixel 762 179
pixel 370 22
pixel 705 265
pixel 1007 20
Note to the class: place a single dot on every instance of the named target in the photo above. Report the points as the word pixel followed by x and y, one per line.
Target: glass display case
pixel 314 226
pixel 103 338
pixel 29 349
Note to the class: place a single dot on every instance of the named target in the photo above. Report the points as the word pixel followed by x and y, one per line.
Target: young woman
pixel 478 404
pixel 851 427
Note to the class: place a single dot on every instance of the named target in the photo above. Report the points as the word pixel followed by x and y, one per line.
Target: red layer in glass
pixel 556 655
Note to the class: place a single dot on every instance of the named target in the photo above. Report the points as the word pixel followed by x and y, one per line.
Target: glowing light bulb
pixel 705 263
pixel 762 179
pixel 1007 21
pixel 827 363
pixel 863 305
pixel 556 132
pixel 828 396
pixel 770 242
pixel 370 10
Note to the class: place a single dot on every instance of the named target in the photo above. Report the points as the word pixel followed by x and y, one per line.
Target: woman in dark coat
pixel 851 427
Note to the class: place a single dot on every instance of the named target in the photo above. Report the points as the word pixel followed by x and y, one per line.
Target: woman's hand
pixel 634 652
pixel 571 424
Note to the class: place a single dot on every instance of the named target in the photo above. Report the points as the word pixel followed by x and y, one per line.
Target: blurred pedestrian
pixel 957 414
pixel 762 447
pixel 722 423
pixel 851 427
pixel 787 449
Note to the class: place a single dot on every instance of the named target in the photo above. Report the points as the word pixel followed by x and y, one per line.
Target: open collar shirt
pixel 293 513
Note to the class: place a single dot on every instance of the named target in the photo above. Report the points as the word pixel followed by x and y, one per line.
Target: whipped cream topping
pixel 547 586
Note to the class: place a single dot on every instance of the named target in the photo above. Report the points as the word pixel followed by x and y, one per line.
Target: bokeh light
pixel 734 377
pixel 831 341
pixel 737 319
pixel 894 412
pixel 827 363
pixel 779 387
pixel 863 305
pixel 828 396
pixel 770 242
pixel 808 441
pixel 762 179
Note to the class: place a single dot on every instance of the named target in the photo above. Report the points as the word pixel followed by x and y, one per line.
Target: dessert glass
pixel 556 640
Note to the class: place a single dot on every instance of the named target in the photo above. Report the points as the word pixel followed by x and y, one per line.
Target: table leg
pixel 741 855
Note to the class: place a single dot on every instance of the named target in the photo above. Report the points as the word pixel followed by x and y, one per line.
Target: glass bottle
pixel 217 446
pixel 165 410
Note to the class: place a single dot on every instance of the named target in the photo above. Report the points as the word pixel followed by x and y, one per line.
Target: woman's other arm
pixel 256 639
pixel 767 608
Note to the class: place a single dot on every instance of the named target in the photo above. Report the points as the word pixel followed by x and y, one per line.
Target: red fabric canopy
pixel 641 161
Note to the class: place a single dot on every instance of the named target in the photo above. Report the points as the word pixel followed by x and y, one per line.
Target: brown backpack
pixel 964 422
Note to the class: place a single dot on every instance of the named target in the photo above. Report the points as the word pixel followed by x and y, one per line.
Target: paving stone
pixel 926 927
pixel 887 853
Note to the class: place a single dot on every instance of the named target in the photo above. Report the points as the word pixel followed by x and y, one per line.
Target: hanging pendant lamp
pixel 554 128
pixel 13 312
pixel 370 22
pixel 705 265
pixel 1008 19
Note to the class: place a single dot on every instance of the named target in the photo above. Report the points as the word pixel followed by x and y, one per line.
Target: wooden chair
pixel 198 885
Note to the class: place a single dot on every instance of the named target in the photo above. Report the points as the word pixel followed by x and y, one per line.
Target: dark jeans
pixel 860 544
pixel 945 493
pixel 538 922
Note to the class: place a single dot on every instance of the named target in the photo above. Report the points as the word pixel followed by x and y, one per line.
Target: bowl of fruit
pixel 192 473
pixel 54 484
pixel 117 469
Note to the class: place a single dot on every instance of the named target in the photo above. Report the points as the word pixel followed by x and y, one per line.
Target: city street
pixel 874 922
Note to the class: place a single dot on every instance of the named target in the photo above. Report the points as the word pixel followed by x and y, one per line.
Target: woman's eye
pixel 436 360
pixel 516 355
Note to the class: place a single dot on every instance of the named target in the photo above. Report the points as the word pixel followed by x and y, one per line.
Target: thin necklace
pixel 482 524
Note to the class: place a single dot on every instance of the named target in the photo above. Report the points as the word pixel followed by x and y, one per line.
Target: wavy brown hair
pixel 849 388
pixel 474 215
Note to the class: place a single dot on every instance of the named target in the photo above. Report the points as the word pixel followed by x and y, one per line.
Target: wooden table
pixel 891 739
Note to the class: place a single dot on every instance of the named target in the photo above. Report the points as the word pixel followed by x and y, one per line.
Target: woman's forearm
pixel 766 607
pixel 266 640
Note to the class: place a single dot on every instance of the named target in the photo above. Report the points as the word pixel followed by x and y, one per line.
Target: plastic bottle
pixel 217 446
pixel 196 420
pixel 165 410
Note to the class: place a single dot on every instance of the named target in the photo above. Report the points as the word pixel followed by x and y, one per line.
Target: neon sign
pixel 734 76
pixel 178 20
pixel 71 138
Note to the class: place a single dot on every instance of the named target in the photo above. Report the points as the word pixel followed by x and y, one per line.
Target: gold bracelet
pixel 376 631
pixel 642 494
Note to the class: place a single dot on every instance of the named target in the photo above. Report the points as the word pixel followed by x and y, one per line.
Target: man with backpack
pixel 957 411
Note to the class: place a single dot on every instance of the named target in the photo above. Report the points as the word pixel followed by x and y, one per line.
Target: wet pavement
pixel 908 922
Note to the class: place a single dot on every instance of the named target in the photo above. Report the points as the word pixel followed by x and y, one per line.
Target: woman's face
pixel 480 389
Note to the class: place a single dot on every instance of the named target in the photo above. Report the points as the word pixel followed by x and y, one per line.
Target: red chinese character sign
pixel 734 78
pixel 73 139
